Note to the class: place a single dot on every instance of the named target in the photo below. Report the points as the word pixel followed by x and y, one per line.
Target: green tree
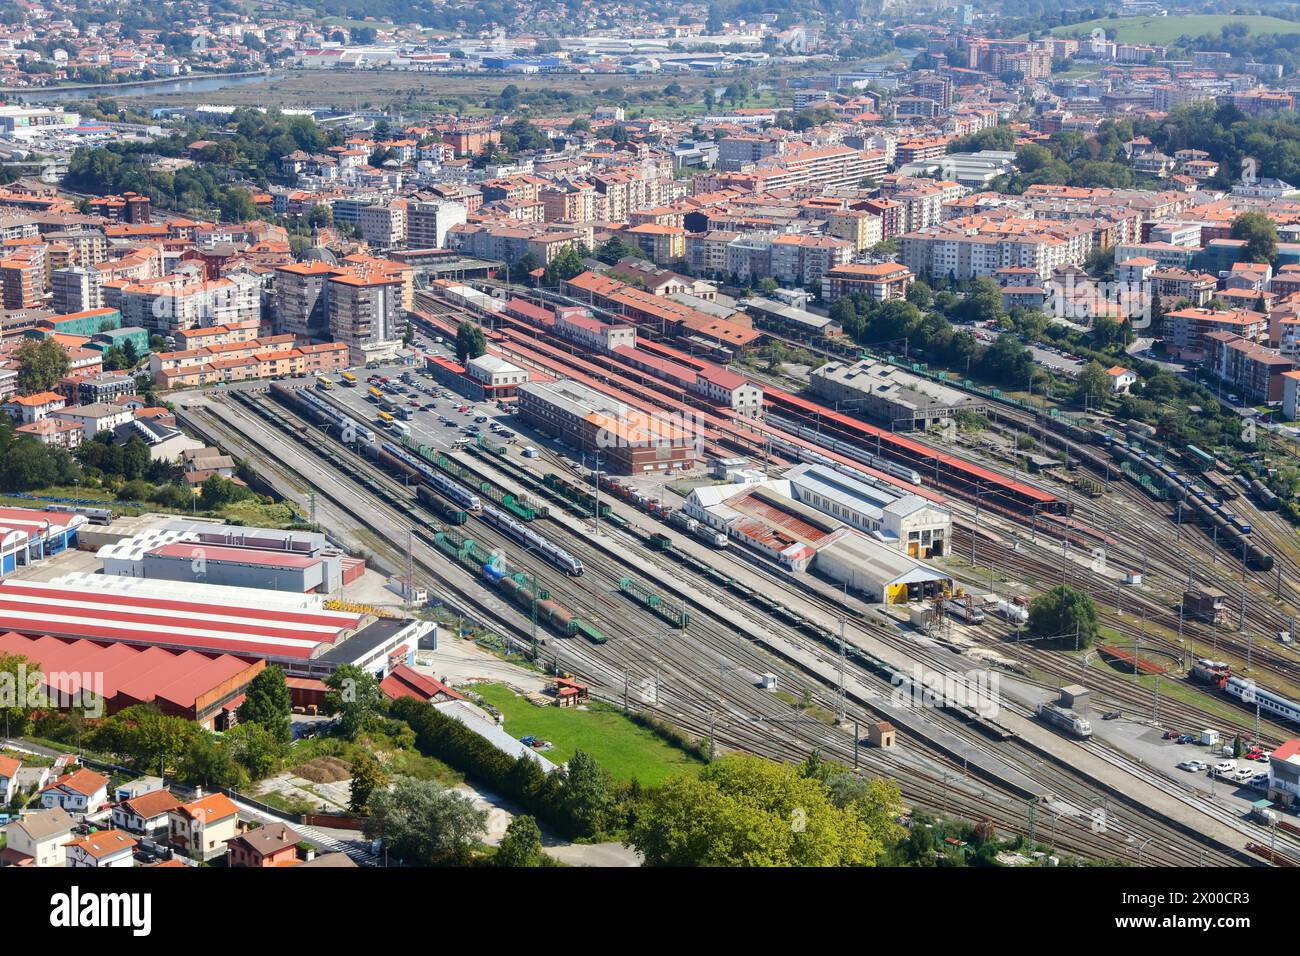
pixel 16 711
pixel 267 702
pixel 1092 386
pixel 470 341
pixel 1058 613
pixel 355 697
pixel 521 845
pixel 566 264
pixel 1260 235
pixel 1007 362
pixel 256 748
pixel 422 823
pixel 41 363
pixel 368 775
pixel 211 761
pixel 983 303
pixel 586 794
pixel 745 811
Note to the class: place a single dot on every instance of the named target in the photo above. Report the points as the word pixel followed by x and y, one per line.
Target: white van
pixel 530 451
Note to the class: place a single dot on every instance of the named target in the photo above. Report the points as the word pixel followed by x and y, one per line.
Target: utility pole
pixel 597 493
pixel 842 692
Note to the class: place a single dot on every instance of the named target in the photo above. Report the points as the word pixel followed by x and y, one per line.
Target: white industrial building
pixel 906 522
pixel 768 516
pixel 879 572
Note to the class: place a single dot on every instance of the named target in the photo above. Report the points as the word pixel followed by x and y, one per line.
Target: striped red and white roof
pixel 36 523
pixel 70 611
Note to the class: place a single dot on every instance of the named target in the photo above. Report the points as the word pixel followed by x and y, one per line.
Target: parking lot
pixel 1152 751
pixel 436 415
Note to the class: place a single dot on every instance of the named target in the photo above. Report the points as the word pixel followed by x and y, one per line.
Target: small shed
pixel 881 734
pixel 1076 697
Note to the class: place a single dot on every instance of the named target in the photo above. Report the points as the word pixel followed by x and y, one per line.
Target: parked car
pixel 1225 767
pixel 1188 765
pixel 1170 735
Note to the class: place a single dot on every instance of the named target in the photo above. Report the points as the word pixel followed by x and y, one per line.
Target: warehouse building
pixel 902 521
pixel 200 552
pixel 29 534
pixel 878 571
pixel 766 517
pixel 311 642
pixel 885 392
pixel 207 689
pixel 629 441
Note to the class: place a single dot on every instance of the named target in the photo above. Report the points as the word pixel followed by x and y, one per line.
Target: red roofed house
pixel 272 844
pixel 26 409
pixel 9 768
pixel 1284 773
pixel 102 849
pixel 81 791
pixel 405 681
pixel 202 827
pixel 146 813
pixel 1121 379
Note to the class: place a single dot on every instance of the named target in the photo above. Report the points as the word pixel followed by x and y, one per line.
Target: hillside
pixel 1165 30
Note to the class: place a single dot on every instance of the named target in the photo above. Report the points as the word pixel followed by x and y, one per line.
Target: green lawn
pixel 624 749
pixel 1167 29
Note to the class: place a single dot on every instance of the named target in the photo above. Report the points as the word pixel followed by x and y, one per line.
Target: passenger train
pixel 553 553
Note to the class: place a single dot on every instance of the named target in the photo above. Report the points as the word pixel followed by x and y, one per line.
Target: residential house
pixel 38 839
pixel 272 844
pixel 201 827
pixel 81 791
pixel 147 813
pixel 102 849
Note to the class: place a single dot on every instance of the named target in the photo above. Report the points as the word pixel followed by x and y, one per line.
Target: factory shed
pixel 199 687
pixel 152 617
pixel 879 571
pixel 30 534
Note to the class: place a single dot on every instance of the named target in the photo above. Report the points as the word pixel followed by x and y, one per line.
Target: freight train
pixel 548 610
pixel 1227 528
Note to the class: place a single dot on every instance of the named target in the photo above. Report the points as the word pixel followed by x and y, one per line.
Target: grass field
pixel 624 749
pixel 1167 29
pixel 357 89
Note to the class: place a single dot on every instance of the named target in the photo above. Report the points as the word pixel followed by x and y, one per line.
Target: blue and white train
pixel 437 480
pixel 343 421
pixel 1251 695
pixel 527 536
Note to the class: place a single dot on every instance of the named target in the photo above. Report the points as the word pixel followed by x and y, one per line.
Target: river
pixel 188 84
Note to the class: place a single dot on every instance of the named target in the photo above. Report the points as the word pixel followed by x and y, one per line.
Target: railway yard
pixel 514 539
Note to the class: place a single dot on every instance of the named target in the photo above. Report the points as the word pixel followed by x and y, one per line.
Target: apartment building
pixel 427 222
pixel 1255 371
pixel 882 282
pixel 1185 330
pixel 301 300
pixel 366 315
pixel 980 246
pixel 384 226
pixel 803 260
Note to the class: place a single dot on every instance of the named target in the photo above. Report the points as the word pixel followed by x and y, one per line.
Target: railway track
pixel 753 730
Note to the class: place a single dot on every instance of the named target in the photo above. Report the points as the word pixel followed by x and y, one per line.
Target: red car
pixel 1170 735
pixel 1254 753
